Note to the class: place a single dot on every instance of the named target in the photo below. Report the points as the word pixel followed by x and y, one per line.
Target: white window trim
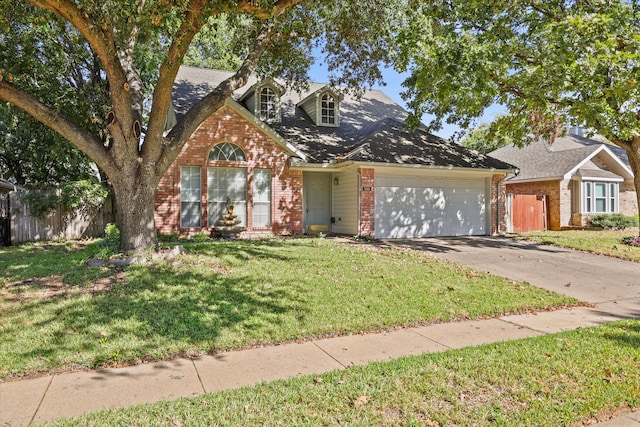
pixel 263 114
pixel 197 201
pixel 336 110
pixel 268 202
pixel 227 152
pixel 589 200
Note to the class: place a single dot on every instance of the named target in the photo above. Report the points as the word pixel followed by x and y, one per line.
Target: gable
pixel 263 99
pixel 600 164
pixel 323 107
pixel 232 123
pixel 540 161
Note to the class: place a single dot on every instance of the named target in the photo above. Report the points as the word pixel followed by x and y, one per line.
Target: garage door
pixel 423 207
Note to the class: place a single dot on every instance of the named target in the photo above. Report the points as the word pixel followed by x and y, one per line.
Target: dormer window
pixel 269 103
pixel 263 100
pixel 323 107
pixel 328 110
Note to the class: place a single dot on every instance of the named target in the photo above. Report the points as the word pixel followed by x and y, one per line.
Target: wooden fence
pixel 56 225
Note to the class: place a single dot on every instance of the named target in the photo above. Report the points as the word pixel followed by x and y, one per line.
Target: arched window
pixel 328 107
pixel 268 104
pixel 227 152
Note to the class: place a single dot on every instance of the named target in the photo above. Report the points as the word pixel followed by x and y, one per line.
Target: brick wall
pixel 628 203
pixel 566 202
pixel 226 125
pixel 367 202
pixel 498 205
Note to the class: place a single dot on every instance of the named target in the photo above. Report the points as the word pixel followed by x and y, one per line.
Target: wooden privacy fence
pixel 528 213
pixel 56 224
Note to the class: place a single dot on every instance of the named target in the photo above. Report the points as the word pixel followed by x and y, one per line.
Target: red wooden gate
pixel 528 213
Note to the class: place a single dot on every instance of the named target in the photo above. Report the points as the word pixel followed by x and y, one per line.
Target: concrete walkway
pixel 613 286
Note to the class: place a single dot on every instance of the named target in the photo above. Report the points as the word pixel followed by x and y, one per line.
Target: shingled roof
pixel 391 142
pixel 370 128
pixel 541 160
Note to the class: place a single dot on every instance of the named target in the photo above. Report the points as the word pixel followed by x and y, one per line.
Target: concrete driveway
pixel 610 284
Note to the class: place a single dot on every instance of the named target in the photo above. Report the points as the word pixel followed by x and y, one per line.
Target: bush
pixel 112 235
pixel 613 221
pixel 631 241
pixel 79 196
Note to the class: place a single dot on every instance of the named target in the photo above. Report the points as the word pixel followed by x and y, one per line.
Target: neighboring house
pixel 574 177
pixel 321 161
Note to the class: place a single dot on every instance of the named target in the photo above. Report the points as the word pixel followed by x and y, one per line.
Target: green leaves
pixel 577 60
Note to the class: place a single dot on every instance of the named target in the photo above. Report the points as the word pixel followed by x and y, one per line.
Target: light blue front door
pixel 317 199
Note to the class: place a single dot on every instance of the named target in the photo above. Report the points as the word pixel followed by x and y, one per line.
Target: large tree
pixel 127 138
pixel 550 63
pixel 33 155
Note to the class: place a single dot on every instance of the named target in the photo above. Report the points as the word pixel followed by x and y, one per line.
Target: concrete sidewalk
pixel 617 297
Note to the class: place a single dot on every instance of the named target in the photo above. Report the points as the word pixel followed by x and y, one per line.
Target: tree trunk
pixel 633 153
pixel 135 214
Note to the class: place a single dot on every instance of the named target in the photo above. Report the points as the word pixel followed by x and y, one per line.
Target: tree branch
pixel 86 142
pixel 208 105
pixel 504 88
pixel 193 22
pixel 250 6
pixel 100 42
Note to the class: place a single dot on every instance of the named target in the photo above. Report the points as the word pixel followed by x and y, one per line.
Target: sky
pixel 394 87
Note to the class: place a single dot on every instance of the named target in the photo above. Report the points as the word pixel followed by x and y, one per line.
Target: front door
pixel 317 201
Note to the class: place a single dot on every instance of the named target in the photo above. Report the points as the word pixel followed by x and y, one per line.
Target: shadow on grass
pixel 162 310
pixel 458 244
pixel 625 332
pixel 66 259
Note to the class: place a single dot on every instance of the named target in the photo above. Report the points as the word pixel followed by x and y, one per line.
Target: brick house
pixel 321 161
pixel 576 178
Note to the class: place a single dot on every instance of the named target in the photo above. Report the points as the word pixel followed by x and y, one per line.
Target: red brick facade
pixel 498 205
pixel 367 202
pixel 260 150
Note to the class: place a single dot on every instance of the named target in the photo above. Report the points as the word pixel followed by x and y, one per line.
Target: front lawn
pixel 604 242
pixel 56 313
pixel 572 378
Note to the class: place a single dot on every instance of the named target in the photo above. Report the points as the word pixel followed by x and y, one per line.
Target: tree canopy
pixel 549 63
pixel 34 155
pixel 481 140
pixel 106 84
pixel 577 62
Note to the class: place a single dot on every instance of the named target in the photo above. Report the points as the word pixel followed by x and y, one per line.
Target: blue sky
pixel 393 89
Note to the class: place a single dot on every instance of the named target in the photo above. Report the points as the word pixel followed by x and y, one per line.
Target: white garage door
pixel 423 207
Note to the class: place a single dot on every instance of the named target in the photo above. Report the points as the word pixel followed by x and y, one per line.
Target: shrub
pixel 201 237
pixel 112 235
pixel 613 221
pixel 631 241
pixel 168 237
pixel 83 196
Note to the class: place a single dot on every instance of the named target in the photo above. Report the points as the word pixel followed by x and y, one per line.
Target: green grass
pixel 565 379
pixel 604 242
pixel 56 313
